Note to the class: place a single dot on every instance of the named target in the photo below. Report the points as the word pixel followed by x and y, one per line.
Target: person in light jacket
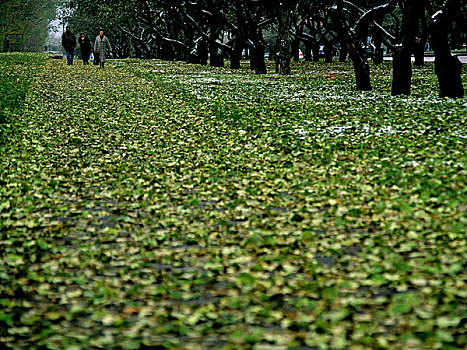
pixel 101 45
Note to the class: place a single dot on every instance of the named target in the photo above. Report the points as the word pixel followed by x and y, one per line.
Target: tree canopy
pixel 29 19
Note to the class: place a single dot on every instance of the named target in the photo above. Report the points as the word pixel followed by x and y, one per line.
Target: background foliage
pixel 30 18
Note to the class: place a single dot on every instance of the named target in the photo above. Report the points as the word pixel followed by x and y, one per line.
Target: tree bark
pixel 420 42
pixel 447 67
pixel 361 67
pixel 256 53
pixel 203 52
pixel 401 71
pixel 419 52
pixel 307 53
pixel 239 44
pixel 343 53
pixel 257 59
pixel 315 52
pixel 402 58
pixel 236 54
pixel 378 55
pixel 296 50
pixel 328 52
pixel 283 44
pixel 360 64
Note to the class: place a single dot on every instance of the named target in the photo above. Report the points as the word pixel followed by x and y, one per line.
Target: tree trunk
pixel 447 67
pixel 419 53
pixel 316 52
pixel 257 59
pixel 328 52
pixel 378 56
pixel 360 64
pixel 272 53
pixel 296 50
pixel 361 68
pixel 401 71
pixel 203 53
pixel 402 58
pixel 307 53
pixel 343 53
pixel 239 44
pixel 420 42
pixel 257 62
pixel 283 44
pixel 236 55
pixel 215 58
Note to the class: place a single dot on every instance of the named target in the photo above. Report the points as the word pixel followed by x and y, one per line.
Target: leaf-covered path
pixel 155 204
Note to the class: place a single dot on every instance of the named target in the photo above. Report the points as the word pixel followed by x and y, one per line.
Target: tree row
pixel 213 31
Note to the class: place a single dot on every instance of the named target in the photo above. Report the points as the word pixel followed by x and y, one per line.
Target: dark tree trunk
pixel 401 71
pixel 203 52
pixel 419 52
pixel 378 56
pixel 215 58
pixel 360 64
pixel 239 44
pixel 272 53
pixel 316 52
pixel 257 59
pixel 257 52
pixel 420 42
pixel 402 58
pixel 448 68
pixel 343 53
pixel 215 27
pixel 361 68
pixel 328 52
pixel 307 53
pixel 296 43
pixel 283 44
pixel 236 55
pixel 296 50
pixel 167 52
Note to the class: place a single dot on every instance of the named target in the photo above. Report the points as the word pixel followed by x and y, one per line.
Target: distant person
pixel 6 44
pixel 69 43
pixel 101 45
pixel 86 47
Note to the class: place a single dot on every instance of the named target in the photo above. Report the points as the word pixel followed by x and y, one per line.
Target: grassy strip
pixel 189 207
pixel 16 73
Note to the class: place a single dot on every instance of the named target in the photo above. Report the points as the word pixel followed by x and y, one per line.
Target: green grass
pixel 16 74
pixel 178 206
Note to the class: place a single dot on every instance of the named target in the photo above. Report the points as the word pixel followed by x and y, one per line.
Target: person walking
pixel 6 44
pixel 69 43
pixel 86 47
pixel 101 45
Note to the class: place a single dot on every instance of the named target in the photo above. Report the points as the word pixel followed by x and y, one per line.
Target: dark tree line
pixel 211 31
pixel 27 19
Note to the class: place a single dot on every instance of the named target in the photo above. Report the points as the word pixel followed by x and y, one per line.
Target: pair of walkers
pixel 101 46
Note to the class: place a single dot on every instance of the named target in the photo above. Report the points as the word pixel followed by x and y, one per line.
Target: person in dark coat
pixel 69 43
pixel 6 44
pixel 86 47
